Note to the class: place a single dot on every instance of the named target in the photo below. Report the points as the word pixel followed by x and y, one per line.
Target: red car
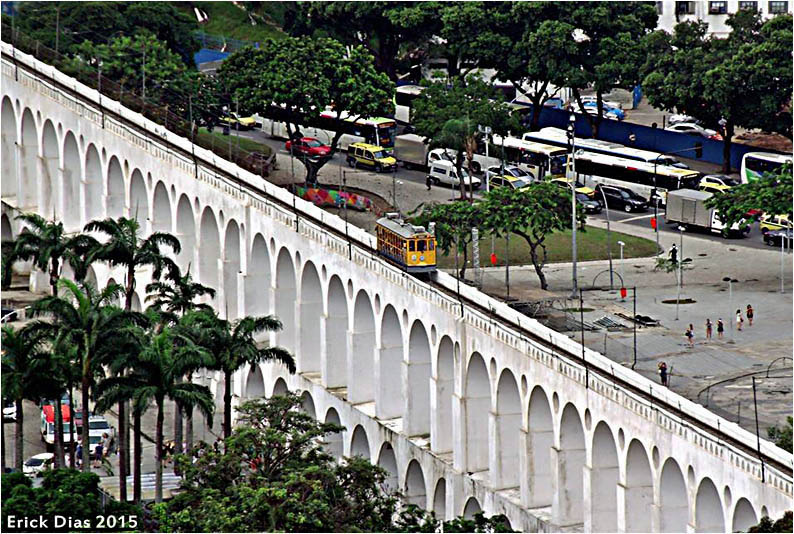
pixel 308 146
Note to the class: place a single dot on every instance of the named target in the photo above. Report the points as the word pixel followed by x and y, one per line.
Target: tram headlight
pixel 413 257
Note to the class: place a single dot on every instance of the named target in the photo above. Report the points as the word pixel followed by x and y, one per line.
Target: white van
pixel 444 172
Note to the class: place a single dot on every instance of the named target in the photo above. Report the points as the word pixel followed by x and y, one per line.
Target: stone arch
pixel 209 249
pixel 136 303
pixel 440 499
pixel 311 312
pixel 93 185
pixel 8 150
pixel 48 203
pixel 744 516
pixel 280 387
pixel 307 404
pixel 285 299
pixel 139 201
pixel 161 209
pixel 186 233
pixel 415 488
pixel 472 507
pixel 116 203
pixel 567 507
pixel 257 282
pixel 540 440
pixel 334 365
pixel 72 175
pixel 255 383
pixel 477 403
pixel 639 488
pixel 119 298
pixel 419 368
pixel 604 476
pixel 333 442
pixel 8 232
pixel 388 461
pixel 441 437
pixel 708 508
pixel 362 355
pixel 91 279
pixel 359 443
pixel 28 163
pixel 231 268
pixel 390 400
pixel 673 501
pixel 508 432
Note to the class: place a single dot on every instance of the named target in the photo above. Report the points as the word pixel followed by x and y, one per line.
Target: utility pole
pixel 572 140
pixel 143 70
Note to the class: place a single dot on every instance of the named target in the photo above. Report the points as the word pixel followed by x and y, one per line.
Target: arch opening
pixel 477 406
pixel 255 384
pixel 307 405
pixel 415 489
pixel 231 269
pixel 8 152
pixel 388 461
pixel 209 250
pixel 441 437
pixel 540 439
pixel 333 442
pixel 744 516
pixel 440 499
pixel 72 174
pixel 285 294
pixel 186 233
pixel 139 201
pixel 116 204
pixel 508 432
pixel 604 481
pixel 311 311
pixel 472 507
pixel 94 186
pixel 673 502
pixel 708 508
pixel 257 283
pixel 362 353
pixel 48 204
pixel 359 444
pixel 280 387
pixel 28 151
pixel 569 501
pixel 639 489
pixel 334 368
pixel 391 398
pixel 419 367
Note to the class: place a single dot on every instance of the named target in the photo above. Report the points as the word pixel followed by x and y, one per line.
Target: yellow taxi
pixel 505 180
pixel 770 223
pixel 580 187
pixel 233 120
pixel 370 156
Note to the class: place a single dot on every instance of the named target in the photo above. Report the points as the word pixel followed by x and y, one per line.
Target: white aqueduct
pixel 467 404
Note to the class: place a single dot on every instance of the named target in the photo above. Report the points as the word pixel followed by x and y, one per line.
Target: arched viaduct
pixel 467 404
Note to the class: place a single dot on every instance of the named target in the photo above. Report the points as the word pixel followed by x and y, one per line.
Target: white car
pixel 98 425
pixel 36 465
pixel 675 119
pixel 10 412
pixel 592 108
pixel 444 172
pixel 694 129
pixel 608 103
pixel 510 171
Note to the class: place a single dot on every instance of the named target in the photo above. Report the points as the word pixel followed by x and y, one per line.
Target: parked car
pixel 681 117
pixel 10 411
pixel 364 154
pixel 588 204
pixel 719 179
pixel 233 120
pixel 37 464
pixel 621 198
pixel 592 109
pixel 772 223
pixel 8 315
pixel 690 128
pixel 509 170
pixel 609 103
pixel 774 238
pixel 580 187
pixel 509 181
pixel 308 146
pixel 444 172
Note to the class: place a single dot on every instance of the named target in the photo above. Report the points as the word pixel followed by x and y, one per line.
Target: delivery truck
pixel 687 207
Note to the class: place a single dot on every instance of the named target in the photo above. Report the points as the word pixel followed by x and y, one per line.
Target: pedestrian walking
pixel 720 328
pixel 674 254
pixel 98 455
pixel 78 454
pixel 428 182
pixel 739 320
pixel 750 314
pixel 663 373
pixel 690 335
pixel 105 443
pixel 708 328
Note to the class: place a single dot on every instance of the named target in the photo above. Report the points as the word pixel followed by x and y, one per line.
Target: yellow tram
pixel 411 247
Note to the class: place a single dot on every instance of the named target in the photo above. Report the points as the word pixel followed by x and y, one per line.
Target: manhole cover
pixel 680 301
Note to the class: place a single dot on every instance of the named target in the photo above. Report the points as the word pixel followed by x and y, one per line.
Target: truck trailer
pixel 687 207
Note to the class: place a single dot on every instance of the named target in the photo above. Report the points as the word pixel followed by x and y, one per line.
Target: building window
pixel 685 8
pixel 718 8
pixel 659 6
pixel 776 8
pixel 749 6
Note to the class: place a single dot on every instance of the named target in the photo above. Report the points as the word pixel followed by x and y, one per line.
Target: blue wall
pixel 648 138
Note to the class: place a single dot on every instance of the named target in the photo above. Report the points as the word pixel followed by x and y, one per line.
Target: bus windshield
pixel 557 164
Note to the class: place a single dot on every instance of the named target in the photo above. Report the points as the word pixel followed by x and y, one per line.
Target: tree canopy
pixel 772 194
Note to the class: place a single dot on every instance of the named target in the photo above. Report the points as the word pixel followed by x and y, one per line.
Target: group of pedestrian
pixel 690 332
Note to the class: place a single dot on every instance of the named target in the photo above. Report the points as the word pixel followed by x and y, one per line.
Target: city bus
pixel 641 177
pixel 559 137
pixel 538 159
pixel 404 97
pixel 754 164
pixel 378 131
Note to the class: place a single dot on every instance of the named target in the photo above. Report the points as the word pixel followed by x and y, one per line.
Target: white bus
pixel 378 131
pixel 404 97
pixel 538 159
pixel 756 163
pixel 641 177
pixel 559 137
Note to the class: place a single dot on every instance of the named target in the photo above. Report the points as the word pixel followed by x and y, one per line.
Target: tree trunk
pixel 227 404
pixel 587 116
pixel 72 430
pixel 123 471
pixel 458 167
pixel 726 148
pixel 138 461
pixel 54 276
pixel 158 472
pixel 533 253
pixel 59 458
pixel 537 100
pixel 3 448
pixel 85 392
pixel 178 417
pixel 189 422
pixel 462 274
pixel 19 445
pixel 124 412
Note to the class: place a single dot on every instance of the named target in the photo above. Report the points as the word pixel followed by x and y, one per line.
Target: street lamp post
pixel 572 141
pixel 680 260
pixel 609 243
pixel 622 278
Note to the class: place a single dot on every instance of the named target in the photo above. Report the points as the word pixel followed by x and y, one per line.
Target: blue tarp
pixel 206 54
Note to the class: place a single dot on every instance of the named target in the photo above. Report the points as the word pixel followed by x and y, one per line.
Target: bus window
pixel 420 245
pixel 411 246
pixel 557 164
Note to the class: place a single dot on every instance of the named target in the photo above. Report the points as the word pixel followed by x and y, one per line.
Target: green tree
pixel 532 214
pixel 25 366
pixel 454 223
pixel 771 194
pixel 156 375
pixel 450 118
pixel 782 436
pixel 295 79
pixel 700 75
pixel 47 245
pixel 233 346
pixel 784 524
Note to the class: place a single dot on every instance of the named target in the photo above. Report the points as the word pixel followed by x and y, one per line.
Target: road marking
pixel 635 218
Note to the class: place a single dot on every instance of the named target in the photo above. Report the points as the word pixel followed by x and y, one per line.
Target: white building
pixel 671 12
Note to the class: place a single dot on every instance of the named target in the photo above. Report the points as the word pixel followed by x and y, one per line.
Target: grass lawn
pixel 217 137
pixel 591 245
pixel 228 20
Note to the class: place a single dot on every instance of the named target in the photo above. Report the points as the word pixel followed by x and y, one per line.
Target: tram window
pixel 431 244
pixel 420 245
pixel 411 246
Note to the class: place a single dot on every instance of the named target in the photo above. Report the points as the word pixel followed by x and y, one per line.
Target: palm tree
pixel 87 319
pixel 173 298
pixel 154 376
pixel 24 365
pixel 125 247
pixel 46 244
pixel 232 346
